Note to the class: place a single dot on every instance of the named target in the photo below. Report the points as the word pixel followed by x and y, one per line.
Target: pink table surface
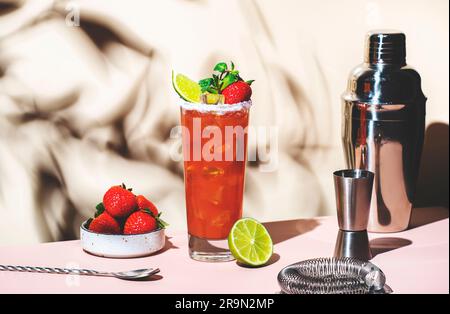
pixel 414 261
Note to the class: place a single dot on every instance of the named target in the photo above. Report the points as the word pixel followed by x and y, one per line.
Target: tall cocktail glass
pixel 215 153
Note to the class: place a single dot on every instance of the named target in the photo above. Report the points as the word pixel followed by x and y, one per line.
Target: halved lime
pixel 188 89
pixel 250 242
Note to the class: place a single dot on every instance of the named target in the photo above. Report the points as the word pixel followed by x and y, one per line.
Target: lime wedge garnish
pixel 250 242
pixel 188 89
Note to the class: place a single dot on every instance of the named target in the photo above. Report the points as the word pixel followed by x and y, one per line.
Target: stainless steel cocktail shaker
pixel 383 128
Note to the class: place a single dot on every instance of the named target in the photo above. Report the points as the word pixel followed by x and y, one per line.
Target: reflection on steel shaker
pixel 383 128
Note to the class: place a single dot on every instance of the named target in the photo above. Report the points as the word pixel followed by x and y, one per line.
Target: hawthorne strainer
pixel 332 276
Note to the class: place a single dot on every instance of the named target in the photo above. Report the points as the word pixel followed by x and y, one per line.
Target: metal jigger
pixel 353 190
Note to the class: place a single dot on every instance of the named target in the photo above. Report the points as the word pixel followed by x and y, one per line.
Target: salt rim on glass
pixel 217 109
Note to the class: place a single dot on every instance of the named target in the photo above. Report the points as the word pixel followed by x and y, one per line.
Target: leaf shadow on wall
pixel 8 7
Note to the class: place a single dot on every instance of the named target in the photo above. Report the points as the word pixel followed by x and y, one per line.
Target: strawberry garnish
pixel 237 92
pixel 119 201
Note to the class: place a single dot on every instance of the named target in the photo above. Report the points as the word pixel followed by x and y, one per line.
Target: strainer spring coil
pixel 332 276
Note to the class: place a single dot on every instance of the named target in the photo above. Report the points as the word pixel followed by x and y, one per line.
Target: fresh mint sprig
pixel 221 67
pixel 222 79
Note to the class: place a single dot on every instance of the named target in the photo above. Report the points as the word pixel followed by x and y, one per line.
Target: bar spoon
pixel 125 275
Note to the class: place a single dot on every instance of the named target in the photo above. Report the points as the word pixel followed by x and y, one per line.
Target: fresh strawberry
pixel 139 222
pixel 119 202
pixel 104 223
pixel 237 92
pixel 144 203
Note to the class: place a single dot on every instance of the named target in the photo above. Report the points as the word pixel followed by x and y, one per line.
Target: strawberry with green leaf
pixel 144 203
pixel 103 222
pixel 143 221
pixel 119 201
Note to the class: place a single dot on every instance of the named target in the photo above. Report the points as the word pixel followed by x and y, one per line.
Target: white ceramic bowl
pixel 121 246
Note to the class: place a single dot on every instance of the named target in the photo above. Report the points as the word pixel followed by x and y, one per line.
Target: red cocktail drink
pixel 214 149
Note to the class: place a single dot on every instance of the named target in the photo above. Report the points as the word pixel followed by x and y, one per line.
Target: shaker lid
pixel 385 47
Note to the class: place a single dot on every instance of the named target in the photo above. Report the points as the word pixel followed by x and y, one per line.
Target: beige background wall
pixel 82 108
